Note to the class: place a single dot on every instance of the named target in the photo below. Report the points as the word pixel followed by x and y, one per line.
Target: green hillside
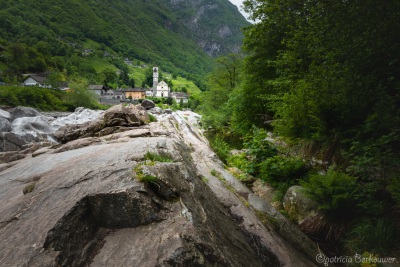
pixel 72 35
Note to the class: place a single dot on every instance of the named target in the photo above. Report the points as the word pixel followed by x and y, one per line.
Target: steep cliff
pixel 216 24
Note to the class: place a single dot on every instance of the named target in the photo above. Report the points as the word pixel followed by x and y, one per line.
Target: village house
pixel 36 80
pixel 134 93
pixel 128 62
pixel 149 93
pixel 98 89
pixel 180 97
pixel 42 81
pixel 119 94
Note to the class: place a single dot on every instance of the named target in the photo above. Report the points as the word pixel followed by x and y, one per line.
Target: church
pixel 160 89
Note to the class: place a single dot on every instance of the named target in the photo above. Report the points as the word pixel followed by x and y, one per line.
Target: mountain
pixel 178 35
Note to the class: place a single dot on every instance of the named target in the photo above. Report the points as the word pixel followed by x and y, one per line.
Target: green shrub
pixel 156 157
pixel 239 161
pixel 221 148
pixel 279 169
pixel 258 146
pixel 281 173
pixel 378 236
pixel 335 192
pixel 152 118
pixel 394 189
pixel 31 96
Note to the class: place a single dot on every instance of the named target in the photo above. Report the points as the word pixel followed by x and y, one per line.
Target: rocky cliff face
pixel 216 24
pixel 101 200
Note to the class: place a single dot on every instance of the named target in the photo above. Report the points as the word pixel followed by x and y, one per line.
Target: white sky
pixel 238 3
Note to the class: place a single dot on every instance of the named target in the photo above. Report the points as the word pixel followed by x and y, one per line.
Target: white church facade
pixel 162 89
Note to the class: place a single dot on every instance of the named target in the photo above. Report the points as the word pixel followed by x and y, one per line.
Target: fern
pixel 335 192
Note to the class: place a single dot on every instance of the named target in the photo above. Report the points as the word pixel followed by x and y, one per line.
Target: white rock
pixel 81 115
pixel 5 114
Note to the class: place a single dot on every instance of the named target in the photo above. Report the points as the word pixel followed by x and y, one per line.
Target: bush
pixel 335 192
pixel 281 169
pixel 239 161
pixel 258 146
pixel 80 96
pixel 31 96
pixel 221 148
pixel 156 157
pixel 378 236
pixel 394 189
pixel 152 118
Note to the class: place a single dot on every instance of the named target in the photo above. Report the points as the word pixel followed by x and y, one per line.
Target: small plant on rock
pixel 156 157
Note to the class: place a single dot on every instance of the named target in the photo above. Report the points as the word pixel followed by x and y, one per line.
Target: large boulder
pixel 266 192
pixel 116 119
pixel 26 131
pixel 148 104
pixel 32 125
pixel 5 125
pixel 20 112
pixel 298 205
pixel 156 111
pixel 5 114
pixel 133 115
pixel 80 115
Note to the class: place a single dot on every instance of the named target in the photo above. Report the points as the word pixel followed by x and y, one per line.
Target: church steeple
pixel 155 80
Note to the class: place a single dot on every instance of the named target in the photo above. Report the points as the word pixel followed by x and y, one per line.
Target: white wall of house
pixel 30 82
pixel 97 91
pixel 178 100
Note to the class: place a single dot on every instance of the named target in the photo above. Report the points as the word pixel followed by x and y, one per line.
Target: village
pixel 106 95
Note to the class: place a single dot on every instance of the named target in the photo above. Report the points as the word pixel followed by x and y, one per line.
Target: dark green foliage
pixel 281 169
pixel 40 98
pixel 45 99
pixel 378 236
pixel 240 161
pixel 394 189
pixel 215 105
pixel 221 148
pixel 80 96
pixel 109 76
pixel 336 193
pixel 259 149
pixel 325 71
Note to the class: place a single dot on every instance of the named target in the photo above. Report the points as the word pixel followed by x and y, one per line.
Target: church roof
pixel 162 83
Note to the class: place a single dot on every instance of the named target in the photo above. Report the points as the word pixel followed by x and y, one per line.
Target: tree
pixel 80 96
pixel 220 83
pixel 109 76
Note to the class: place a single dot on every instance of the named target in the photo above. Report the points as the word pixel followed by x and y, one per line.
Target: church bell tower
pixel 155 80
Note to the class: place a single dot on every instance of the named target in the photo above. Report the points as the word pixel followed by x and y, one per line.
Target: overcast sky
pixel 238 3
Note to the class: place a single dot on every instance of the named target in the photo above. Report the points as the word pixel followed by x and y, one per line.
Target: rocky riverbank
pixel 102 198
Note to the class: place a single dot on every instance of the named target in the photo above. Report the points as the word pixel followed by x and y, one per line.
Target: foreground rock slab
pixel 100 201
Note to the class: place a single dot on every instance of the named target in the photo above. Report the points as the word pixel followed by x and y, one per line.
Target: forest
pixel 323 77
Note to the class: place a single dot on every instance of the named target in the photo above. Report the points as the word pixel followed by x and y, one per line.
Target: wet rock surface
pixel 97 201
pixel 22 127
